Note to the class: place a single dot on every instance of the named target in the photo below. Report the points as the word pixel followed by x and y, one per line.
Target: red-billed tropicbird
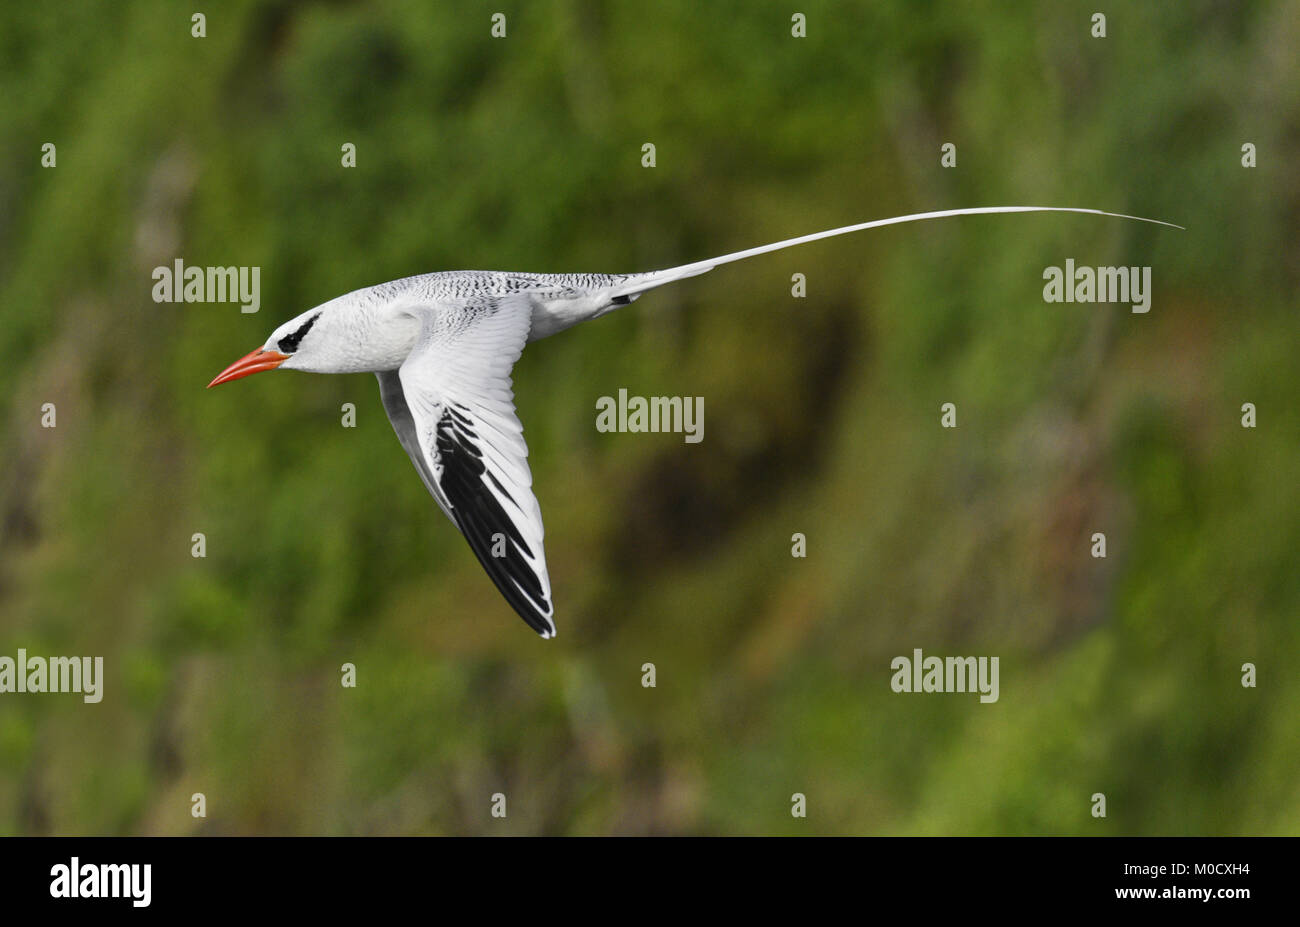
pixel 443 345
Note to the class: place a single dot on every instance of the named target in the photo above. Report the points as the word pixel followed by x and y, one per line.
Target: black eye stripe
pixel 289 343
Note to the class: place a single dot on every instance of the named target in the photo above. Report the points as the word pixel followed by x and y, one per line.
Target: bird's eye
pixel 289 343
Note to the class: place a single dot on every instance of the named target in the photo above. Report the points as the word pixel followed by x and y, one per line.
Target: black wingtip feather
pixel 480 516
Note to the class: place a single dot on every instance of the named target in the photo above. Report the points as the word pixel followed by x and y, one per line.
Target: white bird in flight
pixel 443 345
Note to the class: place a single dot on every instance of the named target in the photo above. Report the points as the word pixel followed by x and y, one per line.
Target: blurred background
pixel 1120 676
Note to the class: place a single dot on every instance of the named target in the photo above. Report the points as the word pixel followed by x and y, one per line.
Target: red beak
pixel 255 362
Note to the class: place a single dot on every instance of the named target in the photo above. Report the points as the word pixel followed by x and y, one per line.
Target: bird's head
pixel 291 346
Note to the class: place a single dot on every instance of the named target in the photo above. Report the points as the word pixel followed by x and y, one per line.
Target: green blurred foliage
pixel 1118 676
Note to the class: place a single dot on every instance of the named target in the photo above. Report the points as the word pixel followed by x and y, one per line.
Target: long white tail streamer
pixel 642 282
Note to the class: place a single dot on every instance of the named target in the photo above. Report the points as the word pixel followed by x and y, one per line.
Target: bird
pixel 443 346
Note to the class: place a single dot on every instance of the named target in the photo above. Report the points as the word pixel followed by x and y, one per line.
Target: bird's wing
pixel 453 410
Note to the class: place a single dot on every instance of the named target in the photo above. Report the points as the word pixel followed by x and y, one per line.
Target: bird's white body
pixel 375 328
pixel 443 345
